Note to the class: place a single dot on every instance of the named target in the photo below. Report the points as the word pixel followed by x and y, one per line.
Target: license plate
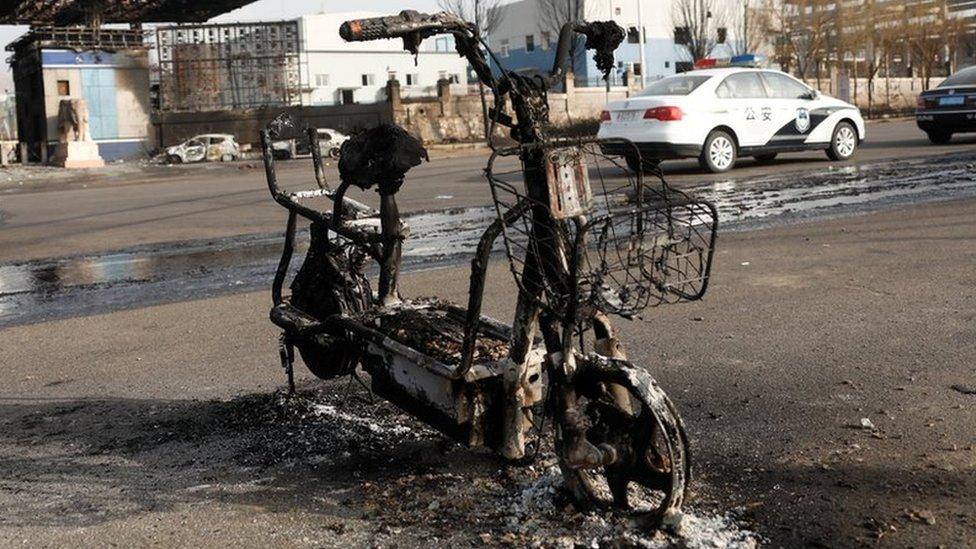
pixel 626 116
pixel 952 100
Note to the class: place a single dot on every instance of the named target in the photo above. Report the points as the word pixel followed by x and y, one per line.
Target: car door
pixel 196 150
pixel 744 97
pixel 794 111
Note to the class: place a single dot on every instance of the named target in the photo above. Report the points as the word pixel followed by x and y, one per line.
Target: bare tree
pixel 932 36
pixel 696 24
pixel 749 22
pixel 802 30
pixel 876 30
pixel 487 14
pixel 553 14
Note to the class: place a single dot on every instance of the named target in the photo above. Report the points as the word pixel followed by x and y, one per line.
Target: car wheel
pixel 174 159
pixel 335 153
pixel 226 158
pixel 644 165
pixel 719 153
pixel 843 143
pixel 765 158
pixel 940 138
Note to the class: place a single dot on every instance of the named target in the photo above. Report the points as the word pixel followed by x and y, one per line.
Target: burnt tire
pixel 843 142
pixel 940 137
pixel 174 159
pixel 335 153
pixel 330 282
pixel 649 442
pixel 327 358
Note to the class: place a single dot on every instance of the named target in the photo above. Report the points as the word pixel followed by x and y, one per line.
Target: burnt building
pixel 69 54
pixel 109 69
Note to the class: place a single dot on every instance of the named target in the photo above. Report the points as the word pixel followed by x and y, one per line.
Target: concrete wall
pixel 893 94
pixel 449 118
pixel 173 128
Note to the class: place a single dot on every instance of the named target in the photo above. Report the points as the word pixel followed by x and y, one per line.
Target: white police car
pixel 721 114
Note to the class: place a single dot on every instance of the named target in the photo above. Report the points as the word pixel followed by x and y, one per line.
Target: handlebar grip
pixel 408 22
pixel 373 28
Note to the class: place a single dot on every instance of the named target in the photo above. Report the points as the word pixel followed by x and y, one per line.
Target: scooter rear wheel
pixel 648 480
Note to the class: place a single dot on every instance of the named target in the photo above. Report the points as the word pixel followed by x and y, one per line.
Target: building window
pixel 455 79
pixel 633 36
pixel 616 11
pixel 530 43
pixel 64 88
pixel 667 64
pixel 369 80
pixel 503 48
pixel 321 80
pixel 723 33
pixel 413 79
pixel 442 44
pixel 348 97
pixel 638 69
pixel 546 41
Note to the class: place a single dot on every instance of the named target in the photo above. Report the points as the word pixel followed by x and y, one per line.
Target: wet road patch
pixel 69 287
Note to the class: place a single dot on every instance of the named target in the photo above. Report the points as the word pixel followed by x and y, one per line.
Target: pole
pixel 481 86
pixel 643 45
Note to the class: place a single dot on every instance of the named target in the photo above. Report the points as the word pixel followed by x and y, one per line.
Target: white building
pixel 339 72
pixel 525 43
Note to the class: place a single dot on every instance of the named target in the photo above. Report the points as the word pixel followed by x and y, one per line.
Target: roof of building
pixel 74 12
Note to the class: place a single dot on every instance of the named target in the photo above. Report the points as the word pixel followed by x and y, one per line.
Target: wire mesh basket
pixel 582 231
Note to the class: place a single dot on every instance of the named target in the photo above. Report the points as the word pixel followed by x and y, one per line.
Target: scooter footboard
pixel 412 355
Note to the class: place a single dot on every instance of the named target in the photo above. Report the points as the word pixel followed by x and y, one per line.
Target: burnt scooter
pixel 584 237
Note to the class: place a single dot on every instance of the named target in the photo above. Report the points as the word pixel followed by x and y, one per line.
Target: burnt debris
pixel 382 155
pixel 603 37
pixel 74 12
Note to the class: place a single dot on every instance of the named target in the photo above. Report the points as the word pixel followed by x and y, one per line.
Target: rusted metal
pixel 229 66
pixel 74 12
pixel 80 39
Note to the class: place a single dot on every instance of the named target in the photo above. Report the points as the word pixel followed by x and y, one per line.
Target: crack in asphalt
pixel 50 289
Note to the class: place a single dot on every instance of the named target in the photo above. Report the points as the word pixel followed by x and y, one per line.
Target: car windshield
pixel 674 85
pixel 966 77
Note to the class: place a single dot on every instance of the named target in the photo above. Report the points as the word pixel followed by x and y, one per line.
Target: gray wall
pixel 176 127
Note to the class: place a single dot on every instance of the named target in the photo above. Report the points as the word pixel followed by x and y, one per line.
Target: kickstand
pixel 287 352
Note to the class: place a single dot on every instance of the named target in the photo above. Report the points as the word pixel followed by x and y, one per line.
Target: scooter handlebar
pixel 396 26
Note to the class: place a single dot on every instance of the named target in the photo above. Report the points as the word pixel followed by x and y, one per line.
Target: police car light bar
pixel 746 60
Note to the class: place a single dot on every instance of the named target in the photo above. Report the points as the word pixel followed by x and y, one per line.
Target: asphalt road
pixel 53 214
pixel 158 426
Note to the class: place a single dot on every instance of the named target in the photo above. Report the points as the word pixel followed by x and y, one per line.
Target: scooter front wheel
pixel 622 412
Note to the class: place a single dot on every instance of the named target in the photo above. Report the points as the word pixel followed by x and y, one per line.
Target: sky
pixel 261 10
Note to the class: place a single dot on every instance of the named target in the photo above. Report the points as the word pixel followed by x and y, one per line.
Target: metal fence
pixel 229 66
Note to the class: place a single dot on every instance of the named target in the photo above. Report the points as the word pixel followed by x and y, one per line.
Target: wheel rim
pixel 721 152
pixel 845 142
pixel 650 479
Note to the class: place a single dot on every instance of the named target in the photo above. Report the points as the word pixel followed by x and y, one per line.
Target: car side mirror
pixel 813 94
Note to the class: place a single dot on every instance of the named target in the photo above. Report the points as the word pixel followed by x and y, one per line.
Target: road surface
pixel 159 425
pixel 90 213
